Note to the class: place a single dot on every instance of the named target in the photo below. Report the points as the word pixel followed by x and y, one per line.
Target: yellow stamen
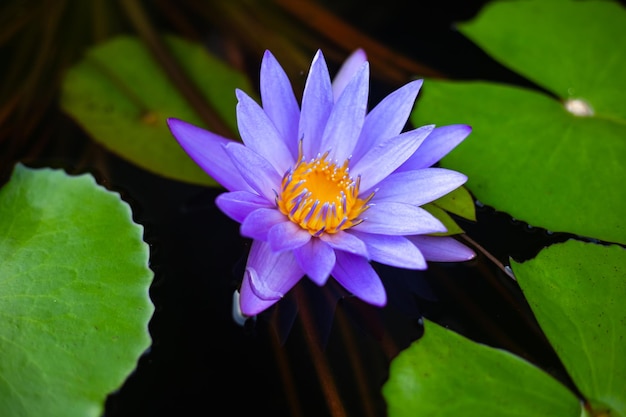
pixel 320 196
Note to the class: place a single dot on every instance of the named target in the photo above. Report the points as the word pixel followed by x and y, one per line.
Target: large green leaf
pixel 577 292
pixel 445 374
pixel 575 49
pixel 531 158
pixel 528 155
pixel 74 304
pixel 122 98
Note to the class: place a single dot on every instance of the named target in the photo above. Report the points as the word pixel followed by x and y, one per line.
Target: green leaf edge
pixel 95 408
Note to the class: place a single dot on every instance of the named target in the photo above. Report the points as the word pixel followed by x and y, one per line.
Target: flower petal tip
pixel 418 83
pixel 319 55
pixel 378 301
pixel 461 131
pixel 467 128
pixel 255 297
pixel 360 54
pixel 173 122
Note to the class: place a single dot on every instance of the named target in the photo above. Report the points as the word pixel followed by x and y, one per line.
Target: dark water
pixel 203 363
pixel 202 360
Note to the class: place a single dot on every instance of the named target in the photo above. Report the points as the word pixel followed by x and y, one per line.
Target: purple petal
pixel 207 150
pixel 346 242
pixel 356 275
pixel 259 222
pixel 317 259
pixel 395 251
pixel 287 236
pixel 269 276
pixel 349 67
pixel 317 103
pixel 256 170
pixel 381 160
pixel 442 248
pixel 279 101
pixel 437 145
pixel 388 118
pixel 418 187
pixel 260 135
pixel 346 119
pixel 391 218
pixel 239 204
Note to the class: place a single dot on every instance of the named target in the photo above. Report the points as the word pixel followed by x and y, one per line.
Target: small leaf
pixel 74 303
pixel 444 374
pixel 459 202
pixel 452 227
pixel 577 292
pixel 122 98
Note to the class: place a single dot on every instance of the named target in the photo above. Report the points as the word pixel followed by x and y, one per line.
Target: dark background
pixel 201 362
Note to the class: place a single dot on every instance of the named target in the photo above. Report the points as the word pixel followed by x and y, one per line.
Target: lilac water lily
pixel 326 187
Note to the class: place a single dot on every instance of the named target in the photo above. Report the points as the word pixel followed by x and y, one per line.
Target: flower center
pixel 320 196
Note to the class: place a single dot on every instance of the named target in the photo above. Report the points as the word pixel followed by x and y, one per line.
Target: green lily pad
pixel 122 98
pixel 575 49
pixel 74 303
pixel 577 292
pixel 528 155
pixel 446 374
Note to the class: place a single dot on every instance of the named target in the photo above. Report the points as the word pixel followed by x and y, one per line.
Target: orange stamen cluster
pixel 320 196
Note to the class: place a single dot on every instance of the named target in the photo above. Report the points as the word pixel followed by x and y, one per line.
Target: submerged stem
pixel 489 256
pixel 327 383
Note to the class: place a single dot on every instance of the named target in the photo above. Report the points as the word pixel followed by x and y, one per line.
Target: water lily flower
pixel 325 188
